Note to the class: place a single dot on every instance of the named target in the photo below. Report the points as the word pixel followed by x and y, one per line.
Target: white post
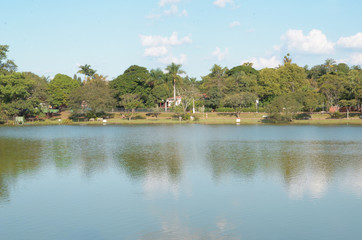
pixel 193 105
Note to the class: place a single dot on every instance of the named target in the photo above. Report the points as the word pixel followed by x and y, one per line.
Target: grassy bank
pixel 209 118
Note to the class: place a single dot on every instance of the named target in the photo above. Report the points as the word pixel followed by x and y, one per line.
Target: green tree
pixel 134 81
pixel 216 85
pixel 94 96
pixel 354 86
pixel 87 71
pixel 330 65
pixel 131 102
pixel 342 69
pixel 292 78
pixel 348 104
pixel 284 107
pixel 174 70
pixel 159 82
pixel 6 66
pixel 269 85
pixel 189 94
pixel 332 86
pixel 60 88
pixel 310 100
pixel 239 101
pixel 16 95
pixel 247 68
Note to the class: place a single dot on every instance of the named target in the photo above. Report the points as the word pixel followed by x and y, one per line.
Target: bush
pixel 138 117
pixel 78 117
pixel 10 122
pixel 226 114
pixel 186 116
pixel 303 116
pixel 337 115
pixel 67 122
pixel 277 118
pixel 91 115
pixel 253 109
pixel 196 118
pixel 153 114
pixel 225 109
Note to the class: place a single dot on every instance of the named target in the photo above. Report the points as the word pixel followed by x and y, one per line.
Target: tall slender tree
pixel 175 70
pixel 87 71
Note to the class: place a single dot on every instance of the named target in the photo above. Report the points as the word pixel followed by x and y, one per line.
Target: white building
pixel 170 101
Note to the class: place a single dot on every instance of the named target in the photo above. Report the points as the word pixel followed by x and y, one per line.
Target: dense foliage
pixel 283 91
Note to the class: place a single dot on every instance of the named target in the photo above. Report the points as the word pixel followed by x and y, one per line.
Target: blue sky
pixel 50 37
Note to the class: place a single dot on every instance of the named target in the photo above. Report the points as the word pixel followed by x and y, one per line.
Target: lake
pixel 181 182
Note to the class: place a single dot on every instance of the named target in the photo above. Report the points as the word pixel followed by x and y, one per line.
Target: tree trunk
pixel 174 91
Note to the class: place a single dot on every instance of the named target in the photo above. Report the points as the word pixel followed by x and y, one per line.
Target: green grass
pixel 212 118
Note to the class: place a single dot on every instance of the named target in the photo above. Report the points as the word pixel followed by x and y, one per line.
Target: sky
pixel 49 37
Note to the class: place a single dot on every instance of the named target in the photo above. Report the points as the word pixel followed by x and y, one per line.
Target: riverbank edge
pixel 327 122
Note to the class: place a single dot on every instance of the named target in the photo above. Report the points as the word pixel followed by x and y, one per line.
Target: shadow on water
pixel 304 167
pixel 171 182
pixel 17 157
pixel 139 160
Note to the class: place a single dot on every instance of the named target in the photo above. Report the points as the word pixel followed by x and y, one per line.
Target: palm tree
pixel 174 70
pixel 87 71
pixel 330 64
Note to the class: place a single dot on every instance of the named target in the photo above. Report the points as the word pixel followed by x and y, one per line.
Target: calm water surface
pixel 181 182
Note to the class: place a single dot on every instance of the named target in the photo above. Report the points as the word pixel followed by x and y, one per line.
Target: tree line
pixel 286 89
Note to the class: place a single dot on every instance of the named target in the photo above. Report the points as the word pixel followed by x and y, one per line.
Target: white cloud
pixel 153 16
pixel 312 182
pixel 260 63
pixel 159 47
pixel 277 48
pixel 315 42
pixel 173 40
pixel 354 59
pixel 172 11
pixel 184 13
pixel 156 51
pixel 162 3
pixel 172 59
pixel 354 41
pixel 220 55
pixel 222 3
pixel 234 24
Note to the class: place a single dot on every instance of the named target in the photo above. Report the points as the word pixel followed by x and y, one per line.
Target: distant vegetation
pixel 282 92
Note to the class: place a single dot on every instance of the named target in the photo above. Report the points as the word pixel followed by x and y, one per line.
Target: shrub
pixel 196 118
pixel 277 118
pixel 224 109
pixel 303 116
pixel 153 114
pixel 67 122
pixel 91 115
pixel 10 122
pixel 77 117
pixel 186 116
pixel 337 115
pixel 137 117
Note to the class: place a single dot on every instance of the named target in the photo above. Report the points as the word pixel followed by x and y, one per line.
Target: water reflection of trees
pixel 138 160
pixel 21 157
pixel 305 167
pixel 90 154
pixel 17 157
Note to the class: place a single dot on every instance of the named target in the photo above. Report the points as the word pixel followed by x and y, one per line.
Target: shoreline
pixel 316 122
